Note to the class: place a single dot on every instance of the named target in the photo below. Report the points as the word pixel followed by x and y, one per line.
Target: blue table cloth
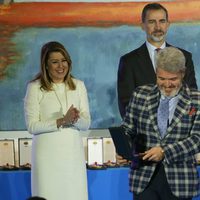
pixel 109 184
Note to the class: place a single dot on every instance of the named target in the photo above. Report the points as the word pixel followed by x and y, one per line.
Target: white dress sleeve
pixel 32 111
pixel 84 121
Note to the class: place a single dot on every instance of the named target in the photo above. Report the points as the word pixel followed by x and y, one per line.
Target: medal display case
pixel 7 153
pixel 95 151
pixel 24 145
pixel 109 154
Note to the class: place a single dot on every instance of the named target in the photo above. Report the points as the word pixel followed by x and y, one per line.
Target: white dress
pixel 58 162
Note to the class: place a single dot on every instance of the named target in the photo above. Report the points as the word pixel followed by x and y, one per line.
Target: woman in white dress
pixel 56 109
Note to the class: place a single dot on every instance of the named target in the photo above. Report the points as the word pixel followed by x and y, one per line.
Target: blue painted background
pixel 95 55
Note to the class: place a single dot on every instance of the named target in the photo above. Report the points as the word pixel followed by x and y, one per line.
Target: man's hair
pixel 171 59
pixel 153 6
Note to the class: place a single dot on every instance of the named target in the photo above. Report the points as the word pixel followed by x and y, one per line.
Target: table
pixel 108 184
pixel 15 185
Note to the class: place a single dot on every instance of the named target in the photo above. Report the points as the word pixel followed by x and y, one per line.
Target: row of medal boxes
pixel 98 152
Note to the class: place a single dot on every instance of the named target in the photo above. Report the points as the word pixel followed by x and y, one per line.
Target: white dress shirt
pixel 152 51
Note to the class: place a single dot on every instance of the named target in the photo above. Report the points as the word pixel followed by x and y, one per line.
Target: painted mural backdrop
pixel 95 34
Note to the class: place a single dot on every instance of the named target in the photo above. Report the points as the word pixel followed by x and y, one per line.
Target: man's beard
pixel 172 94
pixel 158 38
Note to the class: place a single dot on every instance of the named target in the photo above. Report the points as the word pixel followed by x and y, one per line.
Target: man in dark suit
pixel 165 147
pixel 137 67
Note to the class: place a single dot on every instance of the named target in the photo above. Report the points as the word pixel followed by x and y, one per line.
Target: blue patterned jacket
pixel 180 144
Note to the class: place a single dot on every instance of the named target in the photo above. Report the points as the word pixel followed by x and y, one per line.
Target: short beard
pixel 172 94
pixel 157 38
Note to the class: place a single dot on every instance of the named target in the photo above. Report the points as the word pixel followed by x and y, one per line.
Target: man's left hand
pixel 155 154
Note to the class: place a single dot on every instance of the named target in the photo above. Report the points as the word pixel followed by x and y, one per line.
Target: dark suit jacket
pixel 180 143
pixel 136 69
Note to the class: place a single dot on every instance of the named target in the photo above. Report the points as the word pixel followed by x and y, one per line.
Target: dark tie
pixel 163 116
pixel 155 55
pixel 157 50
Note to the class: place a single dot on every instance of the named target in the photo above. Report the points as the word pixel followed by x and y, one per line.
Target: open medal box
pixel 100 153
pixel 7 154
pixel 24 149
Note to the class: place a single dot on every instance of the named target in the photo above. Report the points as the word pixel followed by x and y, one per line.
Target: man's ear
pixel 182 75
pixel 168 25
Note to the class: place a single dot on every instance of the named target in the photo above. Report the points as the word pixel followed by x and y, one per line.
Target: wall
pixel 95 34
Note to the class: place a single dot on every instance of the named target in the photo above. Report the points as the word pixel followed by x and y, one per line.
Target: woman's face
pixel 57 67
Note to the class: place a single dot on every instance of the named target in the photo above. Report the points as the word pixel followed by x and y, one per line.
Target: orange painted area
pixel 8 54
pixel 90 14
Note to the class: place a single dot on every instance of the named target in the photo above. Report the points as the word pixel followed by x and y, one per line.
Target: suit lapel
pixel 181 109
pixel 168 45
pixel 153 101
pixel 145 60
